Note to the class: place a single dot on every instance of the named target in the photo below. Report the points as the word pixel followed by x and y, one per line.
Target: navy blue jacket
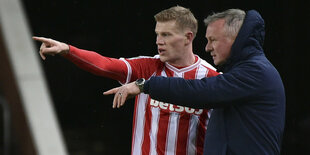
pixel 248 98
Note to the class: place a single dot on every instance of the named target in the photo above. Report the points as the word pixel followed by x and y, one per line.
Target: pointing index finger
pixel 42 39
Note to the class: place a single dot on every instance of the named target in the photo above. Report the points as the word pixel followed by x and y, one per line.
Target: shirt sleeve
pixel 97 64
pixel 210 92
pixel 142 67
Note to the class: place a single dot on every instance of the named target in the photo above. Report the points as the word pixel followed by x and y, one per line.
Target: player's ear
pixel 189 37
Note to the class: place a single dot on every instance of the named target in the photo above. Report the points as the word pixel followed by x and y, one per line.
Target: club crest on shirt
pixel 174 108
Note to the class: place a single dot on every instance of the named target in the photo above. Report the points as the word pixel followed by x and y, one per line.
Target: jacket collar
pixel 248 42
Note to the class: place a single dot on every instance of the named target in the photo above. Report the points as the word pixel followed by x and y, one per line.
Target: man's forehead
pixel 165 26
pixel 215 27
pixel 166 22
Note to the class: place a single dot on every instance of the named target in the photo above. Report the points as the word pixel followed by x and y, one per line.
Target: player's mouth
pixel 213 55
pixel 161 51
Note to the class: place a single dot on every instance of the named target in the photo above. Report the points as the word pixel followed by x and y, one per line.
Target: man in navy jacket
pixel 248 99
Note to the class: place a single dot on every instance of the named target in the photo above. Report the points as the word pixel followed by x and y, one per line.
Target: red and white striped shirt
pixel 158 127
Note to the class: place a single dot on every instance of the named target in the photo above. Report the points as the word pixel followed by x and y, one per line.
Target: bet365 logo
pixel 175 108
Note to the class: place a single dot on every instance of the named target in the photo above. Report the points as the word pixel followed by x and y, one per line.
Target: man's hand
pixel 51 47
pixel 123 93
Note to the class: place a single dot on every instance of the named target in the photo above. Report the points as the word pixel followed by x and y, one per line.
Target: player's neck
pixel 187 60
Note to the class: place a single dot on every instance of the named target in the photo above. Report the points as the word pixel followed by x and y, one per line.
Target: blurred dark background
pixel 120 28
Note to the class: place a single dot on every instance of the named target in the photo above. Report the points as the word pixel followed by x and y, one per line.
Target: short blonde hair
pixel 184 18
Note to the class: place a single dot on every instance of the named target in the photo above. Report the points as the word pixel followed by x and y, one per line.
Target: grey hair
pixel 233 20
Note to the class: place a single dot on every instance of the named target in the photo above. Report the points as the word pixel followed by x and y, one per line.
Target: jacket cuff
pixel 146 87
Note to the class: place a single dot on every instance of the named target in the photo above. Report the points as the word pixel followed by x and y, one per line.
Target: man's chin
pixel 162 59
pixel 218 63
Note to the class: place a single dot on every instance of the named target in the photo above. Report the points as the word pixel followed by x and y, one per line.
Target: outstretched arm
pixel 213 92
pixel 87 60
